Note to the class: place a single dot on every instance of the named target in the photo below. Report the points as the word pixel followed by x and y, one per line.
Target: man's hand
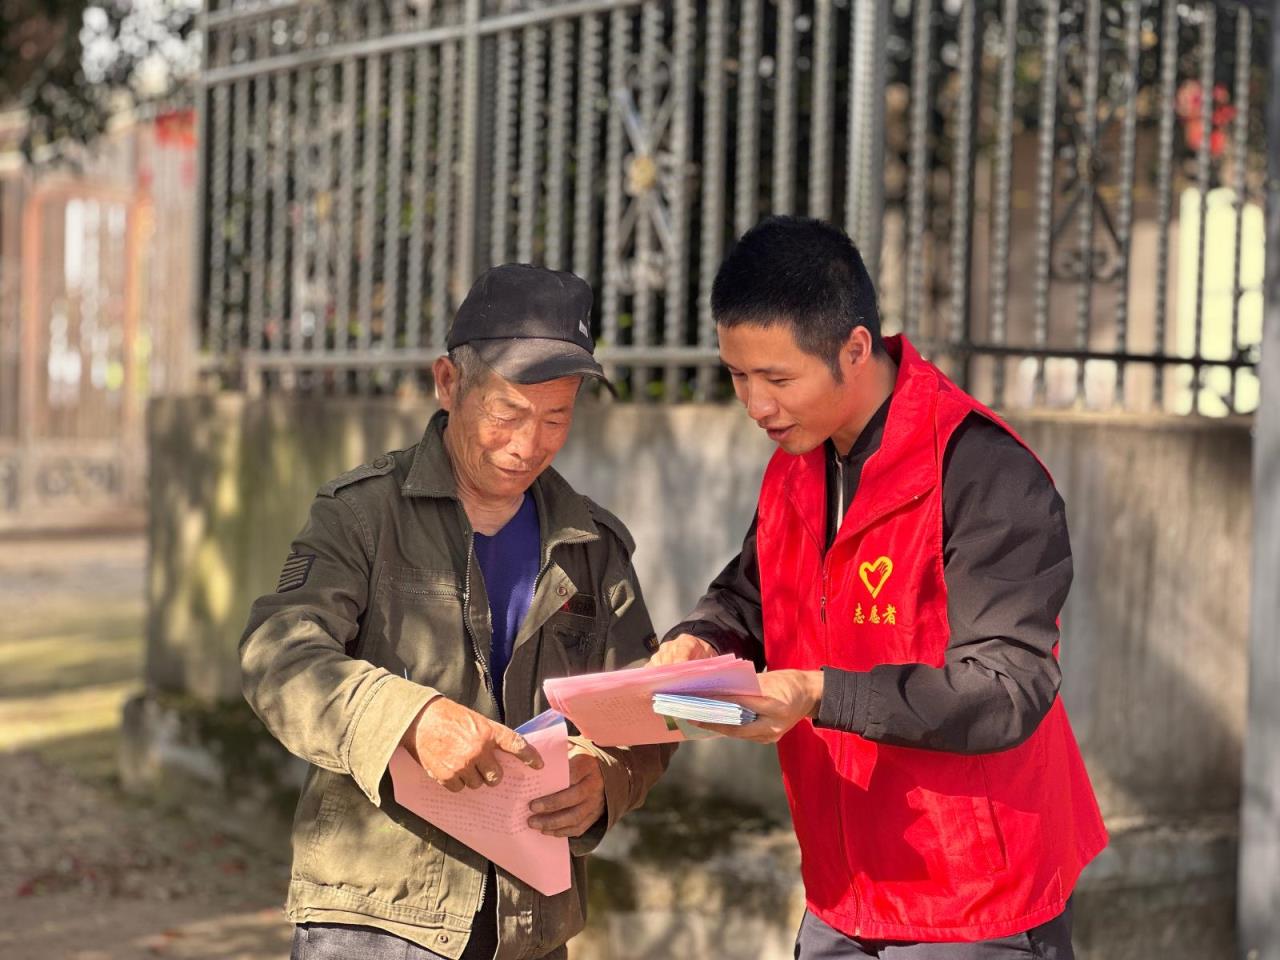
pixel 681 648
pixel 572 811
pixel 459 747
pixel 787 697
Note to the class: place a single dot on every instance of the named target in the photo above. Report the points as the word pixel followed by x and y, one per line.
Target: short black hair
pixel 804 273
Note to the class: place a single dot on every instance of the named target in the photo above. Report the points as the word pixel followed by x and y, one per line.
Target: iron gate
pixel 1061 200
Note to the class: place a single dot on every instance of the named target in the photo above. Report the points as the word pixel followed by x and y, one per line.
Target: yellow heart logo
pixel 880 570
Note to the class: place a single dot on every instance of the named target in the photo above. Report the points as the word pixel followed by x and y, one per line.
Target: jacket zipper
pixel 826 582
pixel 484 666
pixel 466 622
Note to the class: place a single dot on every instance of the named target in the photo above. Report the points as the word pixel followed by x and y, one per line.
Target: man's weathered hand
pixel 458 747
pixel 682 648
pixel 787 697
pixel 572 811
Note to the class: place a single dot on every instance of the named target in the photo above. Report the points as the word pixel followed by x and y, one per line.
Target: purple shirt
pixel 509 562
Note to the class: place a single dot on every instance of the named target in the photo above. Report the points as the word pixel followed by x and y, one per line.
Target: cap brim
pixel 537 360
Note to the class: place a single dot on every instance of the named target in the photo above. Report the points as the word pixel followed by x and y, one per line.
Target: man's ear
pixel 445 375
pixel 856 351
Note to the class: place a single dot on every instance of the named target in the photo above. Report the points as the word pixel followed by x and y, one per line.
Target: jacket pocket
pixel 329 814
pixel 575 646
pixel 935 816
pixel 416 629
pixel 353 844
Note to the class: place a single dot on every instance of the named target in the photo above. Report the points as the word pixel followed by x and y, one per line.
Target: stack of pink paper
pixel 492 820
pixel 616 709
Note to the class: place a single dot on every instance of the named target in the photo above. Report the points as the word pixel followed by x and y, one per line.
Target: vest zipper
pixel 826 582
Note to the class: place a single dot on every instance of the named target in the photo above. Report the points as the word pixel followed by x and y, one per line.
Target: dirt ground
pixel 86 871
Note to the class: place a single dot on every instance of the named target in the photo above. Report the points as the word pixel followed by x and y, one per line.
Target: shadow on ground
pixel 86 872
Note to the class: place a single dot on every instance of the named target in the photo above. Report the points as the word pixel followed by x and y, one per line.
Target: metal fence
pixel 1061 200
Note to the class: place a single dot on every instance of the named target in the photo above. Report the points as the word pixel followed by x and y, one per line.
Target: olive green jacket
pixel 381 606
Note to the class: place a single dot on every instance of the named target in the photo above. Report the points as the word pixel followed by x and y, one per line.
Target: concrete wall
pixel 1154 633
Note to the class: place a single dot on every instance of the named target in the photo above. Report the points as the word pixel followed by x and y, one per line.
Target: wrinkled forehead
pixel 528 399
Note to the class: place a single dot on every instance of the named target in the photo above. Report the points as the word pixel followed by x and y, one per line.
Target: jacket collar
pixel 563 512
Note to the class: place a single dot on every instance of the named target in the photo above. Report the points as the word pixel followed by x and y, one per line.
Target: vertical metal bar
pixel 748 157
pixel 1240 161
pixel 918 183
pixel 820 121
pixel 257 263
pixel 558 143
pixel 304 192
pixel 1084 171
pixel 713 187
pixel 369 196
pixel 346 207
pixel 503 142
pixel 197 333
pixel 418 187
pixel 784 117
pixel 1002 196
pixel 652 23
pixel 466 236
pixel 1124 226
pixel 1204 169
pixel 216 230
pixel 962 187
pixel 444 196
pixel 530 139
pixel 619 51
pixel 676 301
pixel 1164 177
pixel 864 205
pixel 590 95
pixel 324 305
pixel 239 203
pixel 1044 185
pixel 394 212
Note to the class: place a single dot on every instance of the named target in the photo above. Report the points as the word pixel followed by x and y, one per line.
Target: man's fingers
pixel 570 822
pixel 561 800
pixel 490 770
pixel 511 742
pixel 453 785
pixel 471 778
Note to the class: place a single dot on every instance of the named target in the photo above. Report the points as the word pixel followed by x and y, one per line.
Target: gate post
pixel 864 208
pixel 1259 876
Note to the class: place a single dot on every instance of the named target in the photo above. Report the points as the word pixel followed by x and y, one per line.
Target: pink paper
pixel 492 821
pixel 615 709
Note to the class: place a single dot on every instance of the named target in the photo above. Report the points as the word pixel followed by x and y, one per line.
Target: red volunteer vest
pixel 900 843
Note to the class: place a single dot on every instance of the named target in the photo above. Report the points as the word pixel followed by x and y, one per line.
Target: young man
pixel 902 582
pixel 426 599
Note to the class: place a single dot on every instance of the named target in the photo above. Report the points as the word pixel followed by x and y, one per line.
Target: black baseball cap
pixel 529 324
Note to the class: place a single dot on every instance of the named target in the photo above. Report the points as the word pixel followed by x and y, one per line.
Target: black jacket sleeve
pixel 728 616
pixel 1007 568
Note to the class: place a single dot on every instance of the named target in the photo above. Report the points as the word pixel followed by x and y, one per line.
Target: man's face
pixel 791 394
pixel 502 435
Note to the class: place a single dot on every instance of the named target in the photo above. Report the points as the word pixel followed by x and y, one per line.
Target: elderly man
pixel 426 599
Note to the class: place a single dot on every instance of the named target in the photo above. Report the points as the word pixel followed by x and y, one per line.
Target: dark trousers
pixel 1049 941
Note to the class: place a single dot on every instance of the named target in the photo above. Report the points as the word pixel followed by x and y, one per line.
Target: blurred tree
pixel 69 64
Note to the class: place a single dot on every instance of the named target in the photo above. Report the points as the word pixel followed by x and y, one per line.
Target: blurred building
pixel 97 258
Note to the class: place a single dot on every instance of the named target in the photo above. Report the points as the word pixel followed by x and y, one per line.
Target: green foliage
pixel 70 64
